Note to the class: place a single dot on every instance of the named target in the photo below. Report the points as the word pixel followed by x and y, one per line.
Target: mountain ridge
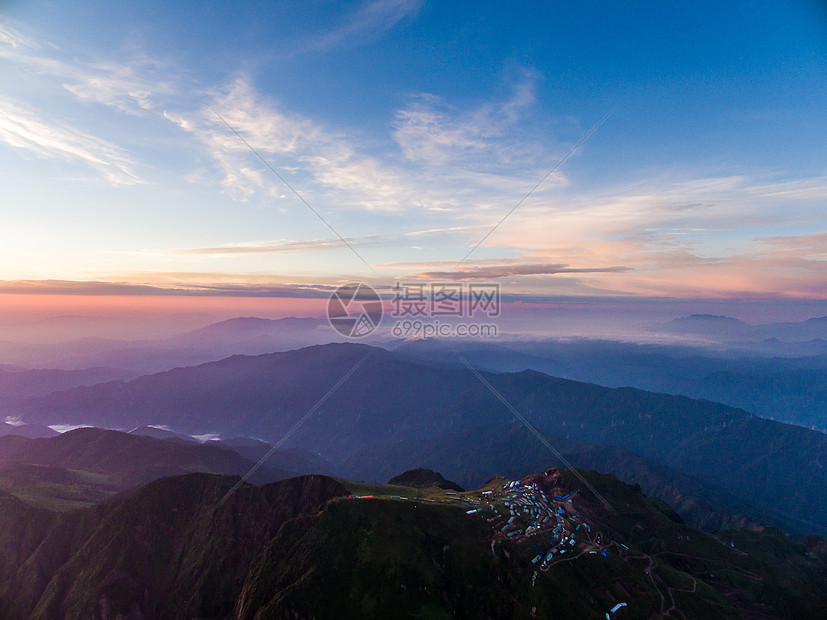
pixel 268 394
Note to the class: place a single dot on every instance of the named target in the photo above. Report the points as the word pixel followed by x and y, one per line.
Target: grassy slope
pixel 305 548
pixel 86 466
pixel 383 558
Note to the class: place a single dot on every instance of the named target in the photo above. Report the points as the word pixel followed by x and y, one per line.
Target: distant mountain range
pixel 775 470
pixel 20 383
pixel 776 370
pixel 315 547
pixel 788 389
pixel 161 433
pixel 252 328
pixel 32 431
pixel 729 329
pixel 246 335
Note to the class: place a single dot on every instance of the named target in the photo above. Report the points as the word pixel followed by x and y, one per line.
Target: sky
pixel 283 148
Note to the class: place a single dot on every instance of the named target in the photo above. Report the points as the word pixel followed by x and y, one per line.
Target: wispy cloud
pixel 427 232
pixel 10 38
pixel 220 289
pixel 370 20
pixel 807 246
pixel 438 172
pixel 500 271
pixel 661 237
pixel 276 247
pixel 659 213
pixel 429 131
pixel 426 134
pixel 332 167
pixel 25 129
pixel 132 86
pixel 643 237
pixel 326 159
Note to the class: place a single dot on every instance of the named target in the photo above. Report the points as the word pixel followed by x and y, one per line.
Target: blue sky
pixel 412 128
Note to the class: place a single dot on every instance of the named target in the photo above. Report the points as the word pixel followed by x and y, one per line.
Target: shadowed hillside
pixel 316 547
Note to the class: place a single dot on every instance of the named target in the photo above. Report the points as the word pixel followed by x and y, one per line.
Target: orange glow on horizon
pixel 35 307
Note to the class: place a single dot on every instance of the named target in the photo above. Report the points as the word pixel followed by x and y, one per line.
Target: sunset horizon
pixel 690 173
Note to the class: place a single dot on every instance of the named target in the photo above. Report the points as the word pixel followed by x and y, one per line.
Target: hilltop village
pixel 526 512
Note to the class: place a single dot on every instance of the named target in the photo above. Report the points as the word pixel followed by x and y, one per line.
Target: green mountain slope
pixel 87 465
pixel 315 547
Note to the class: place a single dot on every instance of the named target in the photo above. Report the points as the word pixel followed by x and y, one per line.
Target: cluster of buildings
pixel 525 512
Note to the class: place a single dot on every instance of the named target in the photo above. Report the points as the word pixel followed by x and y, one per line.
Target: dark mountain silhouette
pixel 161 552
pixel 420 478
